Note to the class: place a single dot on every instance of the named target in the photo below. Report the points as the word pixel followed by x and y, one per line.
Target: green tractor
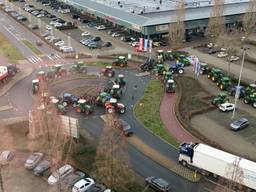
pixel 35 86
pixel 102 98
pixel 78 67
pixel 83 107
pixel 60 107
pixel 120 80
pixel 56 71
pixel 170 86
pixel 251 89
pixel 219 99
pixel 120 61
pixel 224 83
pixel 204 69
pixel 160 70
pixel 215 74
pixel 183 59
pixel 250 99
pixel 116 91
pixel 167 76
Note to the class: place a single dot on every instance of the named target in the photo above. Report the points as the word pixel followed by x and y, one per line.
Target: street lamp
pixel 239 81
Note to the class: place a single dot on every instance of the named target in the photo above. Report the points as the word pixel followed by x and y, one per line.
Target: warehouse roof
pixel 157 18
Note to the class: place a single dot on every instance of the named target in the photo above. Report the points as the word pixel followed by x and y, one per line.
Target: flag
pixel 141 44
pixel 145 44
pixel 150 46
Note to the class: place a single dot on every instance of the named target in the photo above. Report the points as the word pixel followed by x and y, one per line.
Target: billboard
pixel 70 126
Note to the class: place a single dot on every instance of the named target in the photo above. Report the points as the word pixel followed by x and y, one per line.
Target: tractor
pixel 183 59
pixel 160 69
pixel 251 89
pixel 179 54
pixel 167 76
pixel 170 86
pixel 204 69
pixel 120 61
pixel 35 86
pixel 250 99
pixel 148 65
pixel 69 99
pixel 224 83
pixel 177 68
pixel 40 75
pixel 120 80
pixel 168 55
pixel 240 89
pixel 56 71
pixel 219 99
pixel 112 105
pixel 78 67
pixel 12 70
pixel 108 71
pixel 60 107
pixel 215 74
pixel 83 107
pixel 116 91
pixel 102 98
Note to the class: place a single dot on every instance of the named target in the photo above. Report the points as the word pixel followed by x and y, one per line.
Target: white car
pixel 100 27
pixel 226 107
pixel 210 45
pixel 60 174
pixel 57 25
pixel 115 34
pixel 49 37
pixel 33 160
pixel 53 23
pixel 49 27
pixel 59 43
pixel 233 58
pixel 223 49
pixel 68 50
pixel 40 15
pixel 64 47
pixel 86 33
pixel 64 11
pixel 222 54
pixel 83 185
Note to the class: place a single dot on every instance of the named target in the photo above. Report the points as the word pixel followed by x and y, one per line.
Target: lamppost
pixel 239 81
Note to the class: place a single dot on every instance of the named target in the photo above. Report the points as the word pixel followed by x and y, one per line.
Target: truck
pixel 210 160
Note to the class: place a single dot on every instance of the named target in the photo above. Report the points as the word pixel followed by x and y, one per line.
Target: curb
pixel 13 120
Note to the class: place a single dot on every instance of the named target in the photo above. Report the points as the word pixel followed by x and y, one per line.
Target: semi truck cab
pixel 186 153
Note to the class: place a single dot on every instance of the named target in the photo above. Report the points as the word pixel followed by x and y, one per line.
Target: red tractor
pixel 108 71
pixel 113 106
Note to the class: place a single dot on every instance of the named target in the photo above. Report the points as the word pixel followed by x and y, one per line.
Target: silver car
pixel 33 160
pixel 42 167
pixel 239 124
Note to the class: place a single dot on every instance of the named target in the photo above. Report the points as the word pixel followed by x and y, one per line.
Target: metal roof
pixel 157 18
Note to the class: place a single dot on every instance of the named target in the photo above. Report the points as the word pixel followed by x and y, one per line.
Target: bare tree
pixel 249 18
pixel 216 22
pixel 112 165
pixel 177 27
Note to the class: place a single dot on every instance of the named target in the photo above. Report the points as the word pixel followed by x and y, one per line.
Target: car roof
pixel 226 104
pixel 241 120
pixel 161 182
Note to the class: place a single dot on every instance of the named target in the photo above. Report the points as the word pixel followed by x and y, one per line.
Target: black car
pixel 127 129
pixel 158 183
pixel 212 51
pixel 96 38
pixel 107 44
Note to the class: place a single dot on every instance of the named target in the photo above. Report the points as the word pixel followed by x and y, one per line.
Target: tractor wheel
pixel 246 101
pixel 110 110
pixel 180 71
pixel 201 72
pixel 254 104
pixel 122 110
pixel 213 78
pixel 78 110
pixel 221 87
pixel 208 76
pixel 110 75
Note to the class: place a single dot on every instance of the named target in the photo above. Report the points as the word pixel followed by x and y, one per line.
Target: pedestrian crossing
pixel 34 59
pixel 46 60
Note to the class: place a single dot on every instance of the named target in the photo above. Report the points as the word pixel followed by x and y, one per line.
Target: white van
pixel 60 174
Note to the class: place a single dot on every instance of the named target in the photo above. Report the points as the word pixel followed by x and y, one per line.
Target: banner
pixel 145 44
pixel 150 46
pixel 141 44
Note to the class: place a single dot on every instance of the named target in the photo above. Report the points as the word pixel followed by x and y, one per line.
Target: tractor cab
pixel 12 69
pixel 79 67
pixel 120 80
pixel 170 86
pixel 177 68
pixel 204 68
pixel 83 107
pixel 112 105
pixel 148 65
pixel 116 91
pixel 41 75
pixel 102 98
pixel 120 61
pixel 69 99
pixel 224 83
pixel 160 69
pixel 251 89
pixel 167 76
pixel 35 86
pixel 220 99
pixel 108 71
pixel 60 107
pixel 215 74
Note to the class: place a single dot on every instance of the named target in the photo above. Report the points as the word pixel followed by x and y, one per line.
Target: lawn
pixel 9 51
pixel 147 110
pixel 98 63
pixel 32 47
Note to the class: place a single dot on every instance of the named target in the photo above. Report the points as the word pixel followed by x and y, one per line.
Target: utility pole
pixel 239 81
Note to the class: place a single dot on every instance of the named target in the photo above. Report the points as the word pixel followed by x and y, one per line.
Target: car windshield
pixel 161 183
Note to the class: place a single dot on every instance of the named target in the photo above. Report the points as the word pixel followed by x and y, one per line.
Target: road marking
pixel 34 59
pixel 7 29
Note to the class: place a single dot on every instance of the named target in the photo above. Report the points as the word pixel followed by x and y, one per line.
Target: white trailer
pixel 208 159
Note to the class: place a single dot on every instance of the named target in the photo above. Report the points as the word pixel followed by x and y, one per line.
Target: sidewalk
pixel 170 121
pixel 248 76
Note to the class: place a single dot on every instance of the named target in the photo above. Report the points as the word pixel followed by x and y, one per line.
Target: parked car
pixel 222 54
pixel 226 107
pixel 83 185
pixel 57 25
pixel 92 46
pixel 6 155
pixel 96 39
pixel 33 27
pixel 86 33
pixel 115 34
pixel 14 14
pixel 60 174
pixel 233 58
pixel 40 15
pixel 59 43
pixel 21 18
pixel 100 27
pixel 68 50
pixel 212 51
pixel 158 183
pixel 49 27
pixel 33 160
pixel 42 167
pixel 71 179
pixel 126 128
pixel 239 124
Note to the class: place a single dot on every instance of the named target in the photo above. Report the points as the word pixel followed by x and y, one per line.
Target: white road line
pixel 58 56
pixel 34 59
pixel 7 29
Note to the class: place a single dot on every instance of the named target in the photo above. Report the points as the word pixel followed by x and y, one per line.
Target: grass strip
pixel 32 47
